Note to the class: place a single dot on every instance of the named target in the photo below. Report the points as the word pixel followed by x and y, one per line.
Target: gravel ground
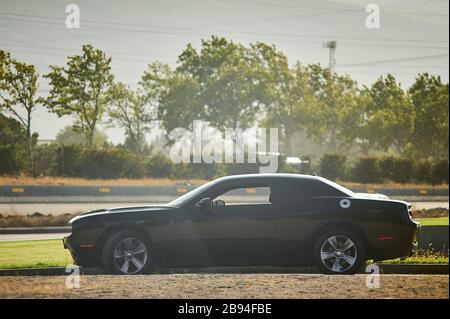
pixel 227 286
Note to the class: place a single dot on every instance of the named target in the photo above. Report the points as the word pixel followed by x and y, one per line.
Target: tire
pixel 127 253
pixel 339 252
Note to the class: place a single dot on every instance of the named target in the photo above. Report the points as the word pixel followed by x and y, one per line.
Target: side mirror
pixel 205 202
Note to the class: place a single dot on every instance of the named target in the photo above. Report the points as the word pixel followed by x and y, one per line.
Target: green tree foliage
pixel 430 101
pixel 69 136
pixel 332 166
pixel 226 77
pixel 18 86
pixel 334 116
pixel 81 89
pixel 128 110
pixel 286 93
pixel 174 95
pixel 12 136
pixel 388 116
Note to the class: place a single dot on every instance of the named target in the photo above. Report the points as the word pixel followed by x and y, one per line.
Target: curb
pixel 414 269
pixel 35 230
pixel 52 271
pixel 387 269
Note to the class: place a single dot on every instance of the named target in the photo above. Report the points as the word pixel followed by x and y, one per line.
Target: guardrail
pixel 38 190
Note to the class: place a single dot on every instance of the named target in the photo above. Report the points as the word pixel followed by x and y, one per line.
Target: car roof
pixel 268 176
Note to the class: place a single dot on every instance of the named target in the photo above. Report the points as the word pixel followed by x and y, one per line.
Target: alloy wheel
pixel 338 253
pixel 130 255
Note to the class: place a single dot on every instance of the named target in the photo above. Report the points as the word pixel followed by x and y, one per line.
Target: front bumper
pixel 82 255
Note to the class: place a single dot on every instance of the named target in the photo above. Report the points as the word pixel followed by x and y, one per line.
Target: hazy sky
pixel 412 38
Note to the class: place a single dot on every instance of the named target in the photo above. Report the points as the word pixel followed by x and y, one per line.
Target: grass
pixel 33 254
pixel 421 257
pixel 437 221
pixel 35 220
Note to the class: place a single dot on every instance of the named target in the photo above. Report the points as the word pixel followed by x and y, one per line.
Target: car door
pixel 295 222
pixel 241 233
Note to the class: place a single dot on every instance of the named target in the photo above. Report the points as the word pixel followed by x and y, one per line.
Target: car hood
pixel 121 210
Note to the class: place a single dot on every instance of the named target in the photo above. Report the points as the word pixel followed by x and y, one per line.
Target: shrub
pixel 68 161
pixel 160 166
pixel 366 170
pixel 423 171
pixel 44 159
pixel 11 159
pixel 76 161
pixel 396 169
pixel 439 172
pixel 332 166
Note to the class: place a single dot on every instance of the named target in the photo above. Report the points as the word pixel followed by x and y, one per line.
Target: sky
pixel 412 36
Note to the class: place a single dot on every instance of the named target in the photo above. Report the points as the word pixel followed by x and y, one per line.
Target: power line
pixel 169 56
pixel 99 24
pixel 361 10
pixel 77 50
pixel 396 60
pixel 65 55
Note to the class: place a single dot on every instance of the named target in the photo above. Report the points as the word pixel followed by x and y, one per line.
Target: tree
pixel 18 87
pixel 388 115
pixel 429 97
pixel 67 136
pixel 227 82
pixel 286 96
pixel 81 89
pixel 128 110
pixel 333 117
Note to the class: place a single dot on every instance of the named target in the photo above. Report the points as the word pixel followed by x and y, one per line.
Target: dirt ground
pixel 226 286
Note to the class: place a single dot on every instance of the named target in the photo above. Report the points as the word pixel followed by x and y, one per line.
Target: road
pixel 75 208
pixel 227 286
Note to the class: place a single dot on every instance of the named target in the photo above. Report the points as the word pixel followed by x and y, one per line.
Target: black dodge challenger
pixel 287 220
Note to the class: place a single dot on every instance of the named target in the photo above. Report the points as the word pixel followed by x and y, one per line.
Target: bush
pixel 11 159
pixel 396 169
pixel 207 171
pixel 68 161
pixel 44 159
pixel 423 171
pixel 76 161
pixel 439 172
pixel 332 166
pixel 160 166
pixel 366 170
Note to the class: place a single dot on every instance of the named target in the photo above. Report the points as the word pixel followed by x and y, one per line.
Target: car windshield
pixel 190 195
pixel 341 188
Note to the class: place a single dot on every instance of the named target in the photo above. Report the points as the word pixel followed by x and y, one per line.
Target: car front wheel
pixel 127 253
pixel 339 252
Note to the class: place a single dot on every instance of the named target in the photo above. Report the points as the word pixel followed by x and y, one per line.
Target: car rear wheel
pixel 339 252
pixel 127 253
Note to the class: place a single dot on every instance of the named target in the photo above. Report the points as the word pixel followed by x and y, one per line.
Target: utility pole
pixel 332 60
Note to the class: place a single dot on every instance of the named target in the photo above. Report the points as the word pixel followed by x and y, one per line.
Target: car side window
pixel 244 196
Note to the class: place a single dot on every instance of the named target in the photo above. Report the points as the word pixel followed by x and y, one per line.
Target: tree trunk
pixel 30 144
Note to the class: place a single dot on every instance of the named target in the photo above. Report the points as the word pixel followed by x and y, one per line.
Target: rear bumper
pixel 403 244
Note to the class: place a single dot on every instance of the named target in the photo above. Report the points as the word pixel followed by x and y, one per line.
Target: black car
pixel 284 220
